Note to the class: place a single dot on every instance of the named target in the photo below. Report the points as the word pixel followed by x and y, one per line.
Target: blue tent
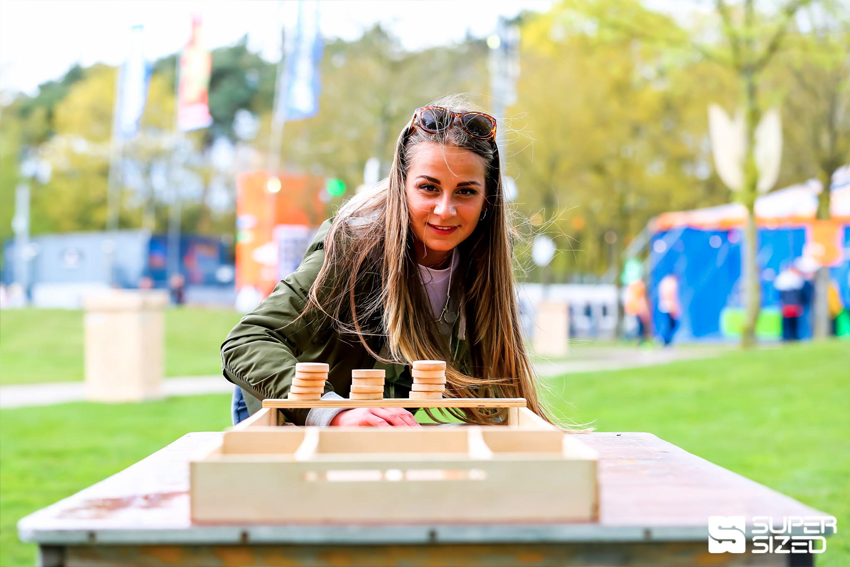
pixel 703 250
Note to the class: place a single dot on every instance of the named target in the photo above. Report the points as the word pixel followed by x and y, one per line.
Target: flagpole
pixel 112 200
pixel 279 110
pixel 174 221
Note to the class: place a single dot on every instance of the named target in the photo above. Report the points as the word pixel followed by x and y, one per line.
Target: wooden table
pixel 655 500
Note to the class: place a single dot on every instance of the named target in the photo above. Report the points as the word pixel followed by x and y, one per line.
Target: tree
pixel 751 41
pixel 753 44
pixel 612 128
pixel 816 72
pixel 370 88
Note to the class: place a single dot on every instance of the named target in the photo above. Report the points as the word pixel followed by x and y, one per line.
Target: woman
pixel 419 268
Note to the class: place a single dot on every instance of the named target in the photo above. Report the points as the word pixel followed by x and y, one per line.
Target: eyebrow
pixel 437 181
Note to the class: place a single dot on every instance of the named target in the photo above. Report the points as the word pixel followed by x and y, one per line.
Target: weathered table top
pixel 650 490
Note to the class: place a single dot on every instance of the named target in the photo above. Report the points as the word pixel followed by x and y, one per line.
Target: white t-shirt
pixel 436 284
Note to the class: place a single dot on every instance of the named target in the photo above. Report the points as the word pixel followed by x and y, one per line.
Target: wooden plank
pixel 309 446
pixel 265 416
pixel 527 419
pixel 504 440
pixel 393 441
pixel 399 403
pixel 650 491
pixel 265 440
pixel 396 489
pixel 478 448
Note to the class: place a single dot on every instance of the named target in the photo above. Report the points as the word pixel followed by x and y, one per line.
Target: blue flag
pixel 300 83
pixel 133 86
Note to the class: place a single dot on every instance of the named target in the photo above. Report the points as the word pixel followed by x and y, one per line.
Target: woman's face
pixel 445 197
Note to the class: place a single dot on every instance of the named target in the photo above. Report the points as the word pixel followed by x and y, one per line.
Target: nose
pixel 445 207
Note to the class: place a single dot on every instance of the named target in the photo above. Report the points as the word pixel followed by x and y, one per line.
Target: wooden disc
pixel 429 365
pixel 367 389
pixel 419 380
pixel 356 396
pixel 426 395
pixel 428 374
pixel 369 373
pixel 303 390
pixel 367 381
pixel 304 397
pixel 308 383
pixel 315 376
pixel 417 387
pixel 312 367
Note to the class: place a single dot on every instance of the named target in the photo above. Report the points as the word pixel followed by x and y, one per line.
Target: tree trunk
pixel 821 305
pixel 751 282
pixel 749 193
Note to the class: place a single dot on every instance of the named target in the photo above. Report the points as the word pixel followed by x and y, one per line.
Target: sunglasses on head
pixel 434 119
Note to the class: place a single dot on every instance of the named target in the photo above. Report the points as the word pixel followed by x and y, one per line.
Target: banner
pixel 300 83
pixel 273 229
pixel 133 86
pixel 193 92
pixel 825 243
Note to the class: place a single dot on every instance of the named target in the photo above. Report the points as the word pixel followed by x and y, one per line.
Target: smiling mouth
pixel 442 229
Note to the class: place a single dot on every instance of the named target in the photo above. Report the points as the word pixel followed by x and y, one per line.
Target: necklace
pixel 449 289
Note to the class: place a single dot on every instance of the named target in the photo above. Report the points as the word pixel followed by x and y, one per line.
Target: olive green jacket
pixel 260 353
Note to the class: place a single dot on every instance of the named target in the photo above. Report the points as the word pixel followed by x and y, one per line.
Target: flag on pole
pixel 300 83
pixel 133 86
pixel 193 110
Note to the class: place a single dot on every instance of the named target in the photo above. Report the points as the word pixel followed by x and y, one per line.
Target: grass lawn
pixel 47 454
pixel 777 416
pixel 46 345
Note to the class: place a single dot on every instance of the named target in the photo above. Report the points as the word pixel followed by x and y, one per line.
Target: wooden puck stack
pixel 429 380
pixel 367 384
pixel 309 381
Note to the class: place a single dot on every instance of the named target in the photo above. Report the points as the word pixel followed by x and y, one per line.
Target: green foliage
pixel 44 103
pixel 30 355
pixel 610 122
pixel 623 134
pixel 233 85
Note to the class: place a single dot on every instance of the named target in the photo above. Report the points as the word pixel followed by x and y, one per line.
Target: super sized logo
pixel 727 534
pixel 793 534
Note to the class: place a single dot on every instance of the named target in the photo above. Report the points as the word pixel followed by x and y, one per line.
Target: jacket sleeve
pixel 260 353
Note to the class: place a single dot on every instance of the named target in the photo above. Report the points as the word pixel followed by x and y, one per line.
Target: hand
pixel 375 417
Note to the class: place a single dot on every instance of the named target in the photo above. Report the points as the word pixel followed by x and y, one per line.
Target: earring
pixel 483 216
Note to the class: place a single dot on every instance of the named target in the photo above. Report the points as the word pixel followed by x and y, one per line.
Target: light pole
pixel 30 168
pixel 504 71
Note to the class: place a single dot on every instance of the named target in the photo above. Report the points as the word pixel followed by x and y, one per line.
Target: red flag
pixel 193 92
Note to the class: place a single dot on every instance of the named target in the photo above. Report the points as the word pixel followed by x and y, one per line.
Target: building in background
pixel 64 268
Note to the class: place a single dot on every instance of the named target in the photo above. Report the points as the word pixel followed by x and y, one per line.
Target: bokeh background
pixel 192 148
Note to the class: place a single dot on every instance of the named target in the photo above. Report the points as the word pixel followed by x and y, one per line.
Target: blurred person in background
pixel 637 306
pixel 177 287
pixel 834 305
pixel 669 306
pixel 794 296
pixel 418 268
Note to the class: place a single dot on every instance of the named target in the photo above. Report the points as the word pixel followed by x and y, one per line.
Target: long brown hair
pixel 370 287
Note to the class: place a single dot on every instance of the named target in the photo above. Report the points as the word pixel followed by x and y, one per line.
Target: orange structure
pixel 259 211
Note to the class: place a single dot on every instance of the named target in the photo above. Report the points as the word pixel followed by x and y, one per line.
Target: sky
pixel 41 39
